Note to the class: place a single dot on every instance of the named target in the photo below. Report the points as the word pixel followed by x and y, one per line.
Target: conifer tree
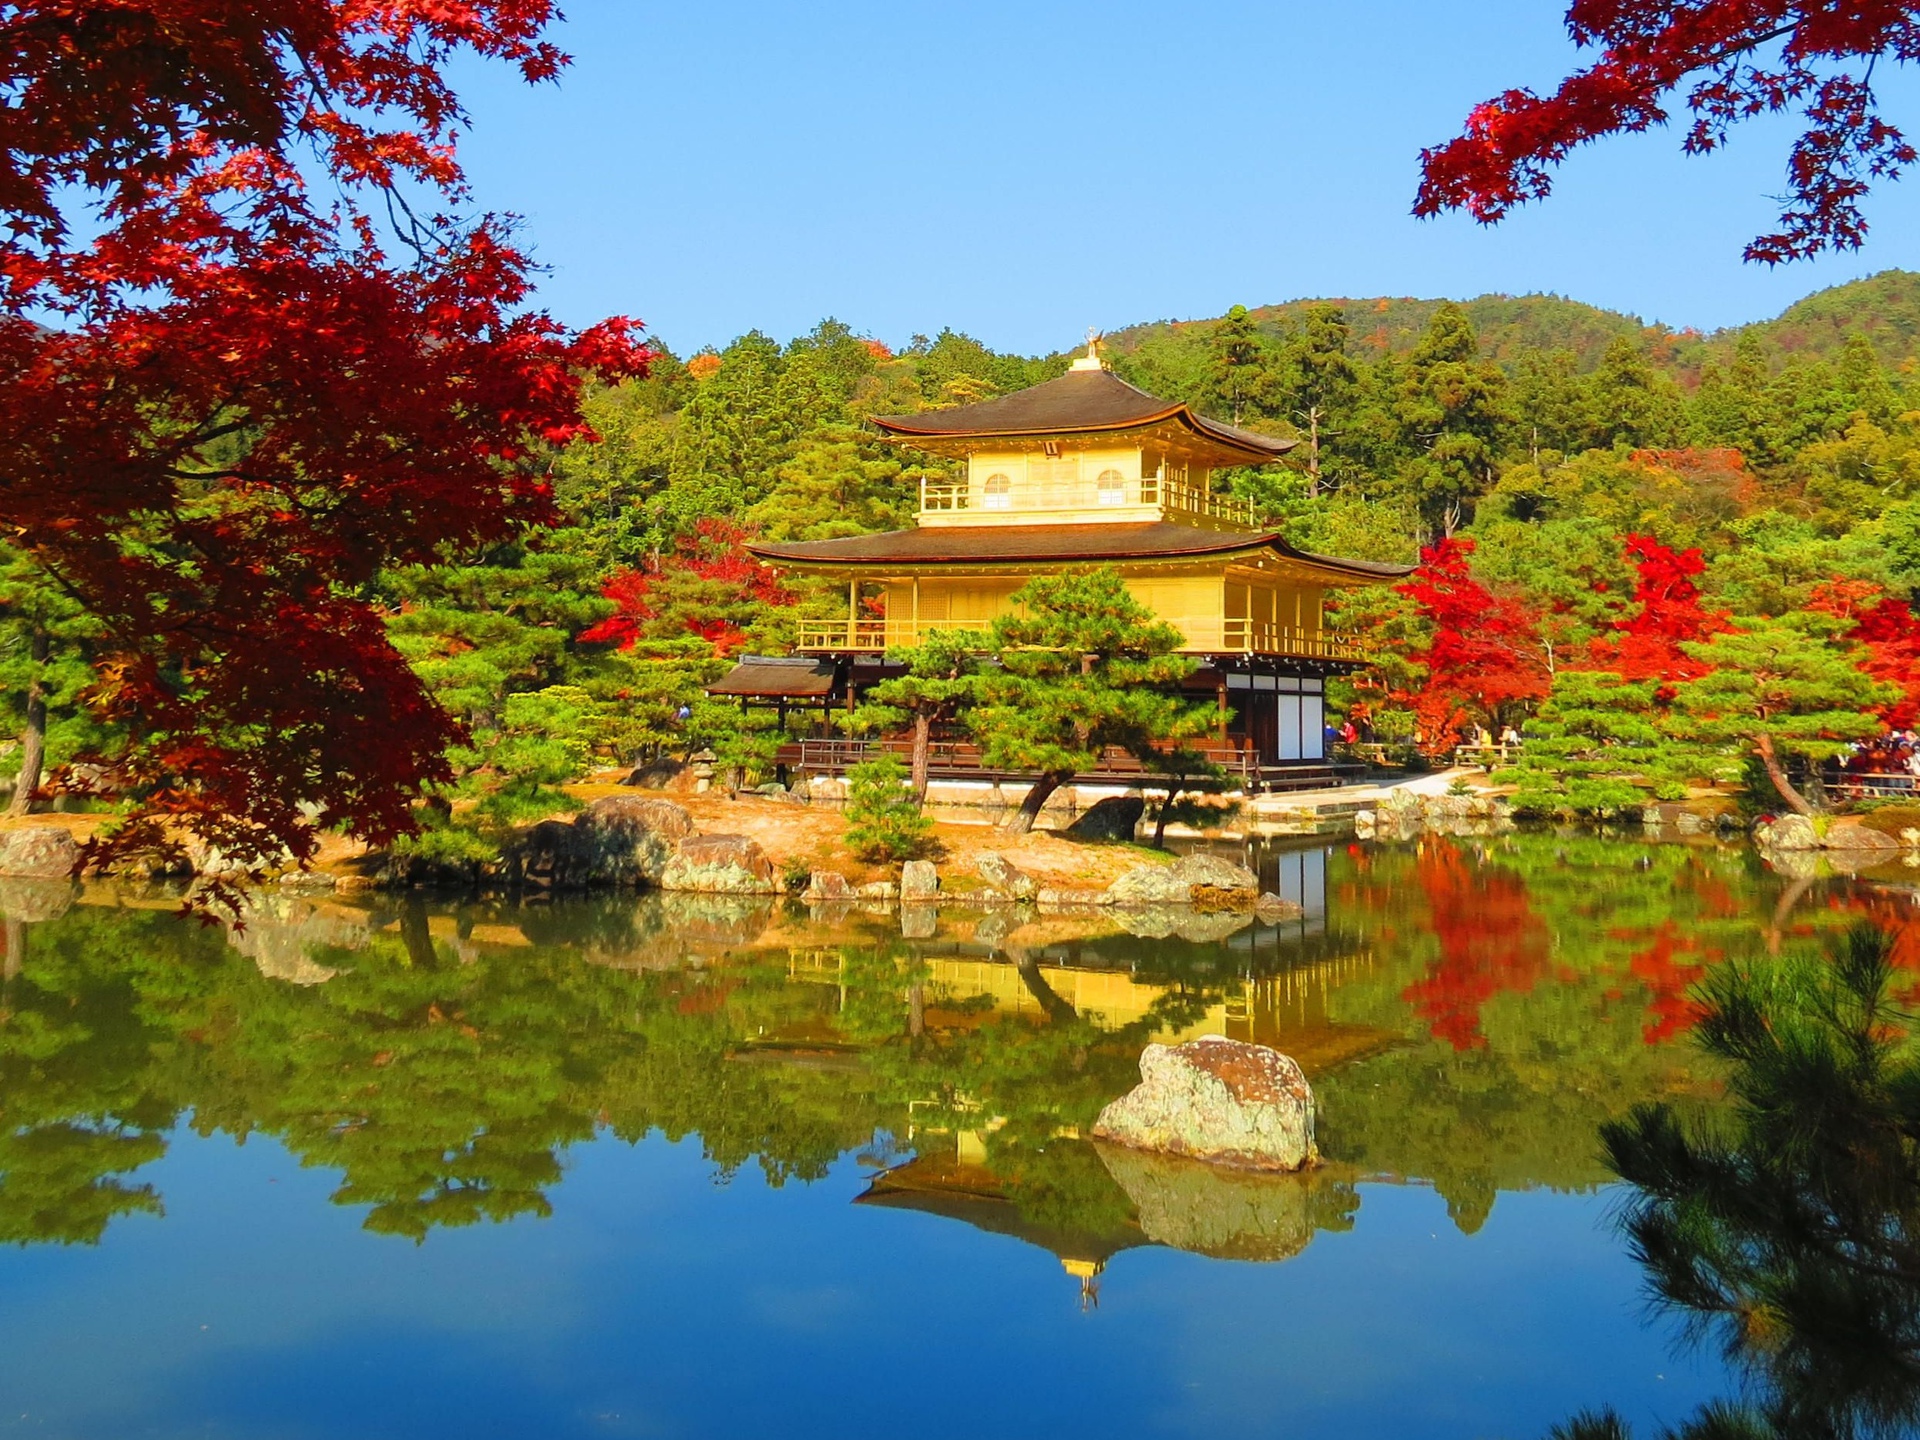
pixel 1082 666
pixel 46 640
pixel 942 677
pixel 1778 688
pixel 1318 382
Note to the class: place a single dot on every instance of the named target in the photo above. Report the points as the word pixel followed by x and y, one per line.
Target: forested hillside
pixel 1568 471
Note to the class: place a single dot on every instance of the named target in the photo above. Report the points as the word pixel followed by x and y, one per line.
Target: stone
pixel 1115 818
pixel 878 890
pixel 919 922
pixel 1219 1100
pixel 1054 895
pixel 661 774
pixel 1688 823
pixel 38 852
pixel 1215 873
pixel 919 880
pixel 1852 835
pixel 1363 824
pixel 1148 884
pixel 1272 908
pixel 645 812
pixel 1786 832
pixel 1004 876
pixel 992 930
pixel 280 934
pixel 828 885
pixel 720 865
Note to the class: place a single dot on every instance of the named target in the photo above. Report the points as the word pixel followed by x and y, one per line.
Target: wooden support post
pixel 1222 695
pixel 853 620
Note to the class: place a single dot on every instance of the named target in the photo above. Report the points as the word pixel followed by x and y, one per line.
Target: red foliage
pixel 224 406
pixel 1646 645
pixel 1490 942
pixel 1669 982
pixel 1648 50
pixel 713 558
pixel 1485 652
pixel 1888 634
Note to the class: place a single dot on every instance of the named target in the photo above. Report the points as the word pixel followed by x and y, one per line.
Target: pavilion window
pixel 997 494
pixel 1111 488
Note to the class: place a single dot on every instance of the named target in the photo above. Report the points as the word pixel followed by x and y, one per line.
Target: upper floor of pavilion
pixel 1086 448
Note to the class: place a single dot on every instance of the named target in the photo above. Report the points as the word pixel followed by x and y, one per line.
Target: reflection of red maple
pixel 1669 981
pixel 1490 940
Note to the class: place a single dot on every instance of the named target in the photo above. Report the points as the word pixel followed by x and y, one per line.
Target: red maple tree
pixel 250 356
pixel 1484 655
pixel 1888 634
pixel 1737 59
pixel 707 587
pixel 1646 644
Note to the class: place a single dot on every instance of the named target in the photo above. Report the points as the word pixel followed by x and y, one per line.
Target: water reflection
pixel 1470 1016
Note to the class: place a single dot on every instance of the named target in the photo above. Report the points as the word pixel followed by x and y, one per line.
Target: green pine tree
pixel 1082 666
pixel 941 679
pixel 1778 688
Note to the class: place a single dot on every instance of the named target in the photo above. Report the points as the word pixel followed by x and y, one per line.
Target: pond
pixel 708 1168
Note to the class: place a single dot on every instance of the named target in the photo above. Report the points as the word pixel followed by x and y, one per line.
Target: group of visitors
pixel 1886 765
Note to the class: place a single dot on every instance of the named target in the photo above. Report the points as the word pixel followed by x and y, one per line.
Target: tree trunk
pixel 1021 821
pixel 1313 452
pixel 33 735
pixel 1160 821
pixel 1795 801
pixel 922 749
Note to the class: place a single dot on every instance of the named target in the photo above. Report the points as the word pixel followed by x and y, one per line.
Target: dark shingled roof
pixel 1080 400
pixel 1088 543
pixel 774 676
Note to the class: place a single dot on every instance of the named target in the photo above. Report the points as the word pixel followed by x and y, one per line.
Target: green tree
pixel 1450 413
pixel 46 643
pixel 1778 688
pixel 1318 383
pixel 1241 378
pixel 884 820
pixel 1596 748
pixel 1629 403
pixel 941 679
pixel 1082 666
pixel 839 482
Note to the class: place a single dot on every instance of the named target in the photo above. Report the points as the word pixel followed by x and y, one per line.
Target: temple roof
pixel 1081 401
pixel 776 676
pixel 1059 544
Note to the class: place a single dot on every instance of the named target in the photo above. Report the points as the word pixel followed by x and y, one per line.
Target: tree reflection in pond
pixel 1788 1228
pixel 1470 1012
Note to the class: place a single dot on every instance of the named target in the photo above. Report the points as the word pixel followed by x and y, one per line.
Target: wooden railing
pixel 1205 635
pixel 945 497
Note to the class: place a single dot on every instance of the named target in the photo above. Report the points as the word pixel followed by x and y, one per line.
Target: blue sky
pixel 1023 171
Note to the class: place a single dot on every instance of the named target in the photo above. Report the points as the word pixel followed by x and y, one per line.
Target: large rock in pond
pixel 1114 818
pixel 919 880
pixel 720 865
pixel 1219 1100
pixel 38 852
pixel 1852 835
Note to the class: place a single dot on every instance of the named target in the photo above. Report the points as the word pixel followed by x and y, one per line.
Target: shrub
pixel 883 822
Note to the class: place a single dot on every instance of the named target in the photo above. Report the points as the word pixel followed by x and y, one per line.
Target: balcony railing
pixel 1206 635
pixel 947 497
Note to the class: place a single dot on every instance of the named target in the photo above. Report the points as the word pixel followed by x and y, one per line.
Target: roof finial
pixel 1091 360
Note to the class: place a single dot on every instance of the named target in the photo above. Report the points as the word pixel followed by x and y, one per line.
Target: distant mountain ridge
pixel 1884 307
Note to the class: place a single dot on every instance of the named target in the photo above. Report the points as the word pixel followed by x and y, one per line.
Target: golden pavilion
pixel 1088 470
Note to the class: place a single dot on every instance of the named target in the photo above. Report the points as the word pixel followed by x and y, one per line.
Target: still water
pixel 701 1168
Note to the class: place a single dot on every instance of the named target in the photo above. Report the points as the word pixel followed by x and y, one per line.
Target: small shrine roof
pixel 775 676
pixel 1058 544
pixel 1079 402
